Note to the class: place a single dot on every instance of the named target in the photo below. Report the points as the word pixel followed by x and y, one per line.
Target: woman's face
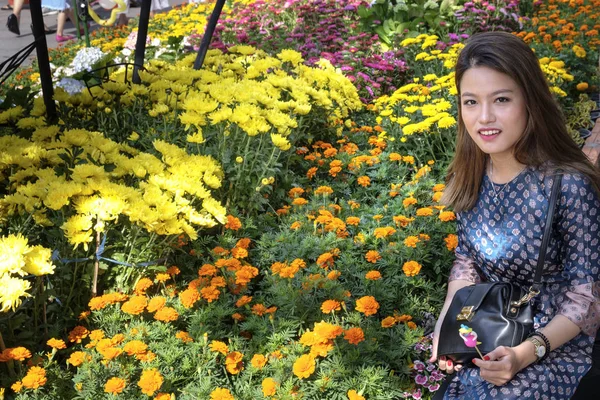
pixel 493 110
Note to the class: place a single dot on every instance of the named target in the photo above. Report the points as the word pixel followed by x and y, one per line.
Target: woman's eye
pixel 469 102
pixel 502 99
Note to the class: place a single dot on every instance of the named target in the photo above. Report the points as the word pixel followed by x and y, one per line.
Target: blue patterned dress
pixel 499 240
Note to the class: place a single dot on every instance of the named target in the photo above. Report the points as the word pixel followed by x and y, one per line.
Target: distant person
pixel 14 19
pixel 64 10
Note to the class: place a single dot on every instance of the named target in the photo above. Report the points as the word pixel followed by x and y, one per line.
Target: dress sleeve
pixel 579 224
pixel 464 268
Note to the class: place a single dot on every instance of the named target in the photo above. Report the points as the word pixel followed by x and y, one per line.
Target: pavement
pixel 11 43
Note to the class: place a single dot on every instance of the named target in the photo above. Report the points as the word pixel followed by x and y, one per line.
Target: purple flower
pixel 416 394
pixel 419 366
pixel 421 379
pixel 434 387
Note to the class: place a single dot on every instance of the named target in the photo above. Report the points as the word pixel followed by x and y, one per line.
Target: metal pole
pixel 208 33
pixel 41 47
pixel 140 44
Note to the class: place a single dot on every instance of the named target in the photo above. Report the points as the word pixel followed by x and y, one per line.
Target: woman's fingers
pixel 449 366
pixel 458 367
pixel 442 363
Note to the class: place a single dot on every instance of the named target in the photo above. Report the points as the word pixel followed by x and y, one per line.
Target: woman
pixel 511 140
pixel 64 10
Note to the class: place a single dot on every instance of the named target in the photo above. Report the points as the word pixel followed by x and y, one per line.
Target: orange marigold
pixel 411 241
pixel 135 305
pixel 77 358
pixel 219 347
pixel 424 212
pixel 245 274
pixel 189 297
pixel 324 190
pixel 295 225
pixel 56 344
pixel 173 270
pixel 221 394
pixel 166 314
pixel 233 223
pixel 258 361
pixel 135 347
pixel 364 181
pixel 142 285
pixel 295 192
pixel 19 353
pixel 451 241
pixel 184 337
pixel 156 303
pixel 36 377
pixel 353 221
pixel 353 395
pixel 373 275
pixel 388 322
pixel 330 306
pixel 150 381
pixel 373 256
pixel 210 293
pixel 242 301
pixel 269 387
pixel 411 268
pixel 304 366
pixel 164 396
pixel 78 334
pixel 233 362
pixel 114 385
pixel 411 325
pixel 259 309
pixel 446 216
pixel 409 201
pixel 326 260
pixel 354 335
pixel 383 232
pixel 367 305
pixel 299 201
pixel 97 303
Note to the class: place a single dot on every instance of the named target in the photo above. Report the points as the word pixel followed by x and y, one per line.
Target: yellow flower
pixel 114 385
pixel 221 394
pixel 353 395
pixel 411 268
pixel 269 387
pixel 290 56
pixel 258 361
pixel 150 381
pixel 11 291
pixel 304 366
pixel 280 142
pixel 37 261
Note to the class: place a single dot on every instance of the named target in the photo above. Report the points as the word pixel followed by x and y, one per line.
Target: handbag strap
pixel 537 280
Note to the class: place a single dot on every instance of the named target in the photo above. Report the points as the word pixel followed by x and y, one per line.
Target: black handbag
pixel 499 312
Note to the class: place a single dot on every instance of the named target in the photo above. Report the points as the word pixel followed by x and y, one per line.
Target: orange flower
pixel 403 318
pixel 330 306
pixel 326 260
pixel 437 196
pixel 233 223
pixel 114 385
pixel 409 201
pixel 326 331
pixel 354 335
pixel 353 395
pixel 373 256
pixel 17 386
pixel 164 396
pixel 242 301
pixel 373 275
pixel 439 187
pixel 295 192
pixel 333 275
pixel 233 362
pixel 299 201
pixel 411 241
pixel 184 337
pixel 141 286
pixel 583 86
pixel 311 172
pixel 259 309
pixel 135 347
pixel 135 305
pixel 424 212
pixel 173 270
pixel 304 366
pixel 162 277
pixel 295 226
pixel 367 305
pixel 219 347
pixel 156 303
pixel 36 377
pixel 150 381
pixel 364 181
pixel 324 190
pixel 97 303
pixel 56 344
pixel 166 314
pixel 210 293
pixel 402 221
pixel 451 241
pixel 269 387
pixel 189 297
pixel 19 353
pixel 446 216
pixel 388 322
pixel 239 252
pixel 384 232
pixel 258 361
pixel 221 394
pixel 77 358
pixel 78 334
pixel 353 221
pixel 411 268
pixel 411 325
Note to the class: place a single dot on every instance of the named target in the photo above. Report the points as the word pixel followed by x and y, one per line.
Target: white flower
pixel 71 86
pixel 86 59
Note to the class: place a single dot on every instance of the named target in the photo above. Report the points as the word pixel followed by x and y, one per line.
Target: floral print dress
pixel 499 240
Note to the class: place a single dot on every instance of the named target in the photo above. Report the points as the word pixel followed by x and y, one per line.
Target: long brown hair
pixel 545 138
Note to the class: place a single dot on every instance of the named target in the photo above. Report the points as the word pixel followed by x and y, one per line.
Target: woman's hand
pixel 444 363
pixel 502 364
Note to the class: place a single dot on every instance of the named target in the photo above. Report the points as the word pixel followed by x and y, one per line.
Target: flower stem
pixel 96 266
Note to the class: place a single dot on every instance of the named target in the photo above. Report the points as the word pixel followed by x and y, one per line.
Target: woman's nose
pixel 486 114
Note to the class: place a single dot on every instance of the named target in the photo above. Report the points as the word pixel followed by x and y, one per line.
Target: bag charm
pixel 470 338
